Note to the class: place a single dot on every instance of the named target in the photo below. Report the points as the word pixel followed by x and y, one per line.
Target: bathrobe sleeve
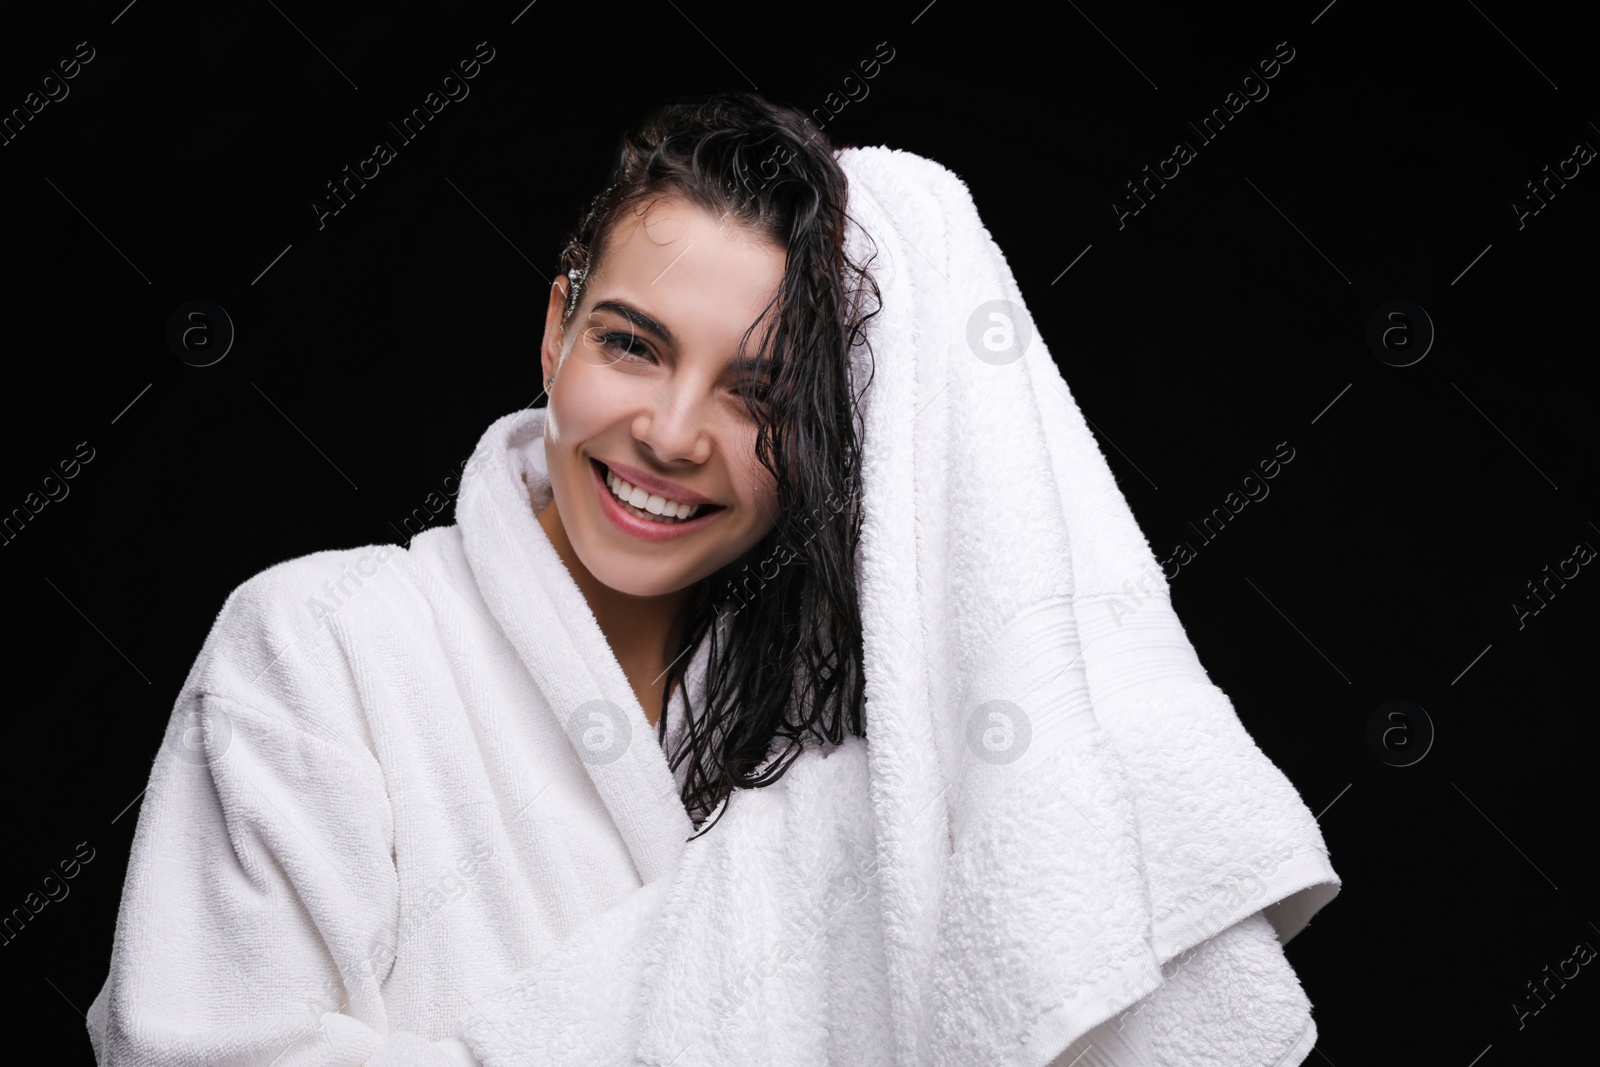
pixel 259 912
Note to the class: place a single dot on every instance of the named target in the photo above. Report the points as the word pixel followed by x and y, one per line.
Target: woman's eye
pixel 759 394
pixel 628 344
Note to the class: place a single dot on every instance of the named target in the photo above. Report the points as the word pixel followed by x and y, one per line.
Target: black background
pixel 1227 316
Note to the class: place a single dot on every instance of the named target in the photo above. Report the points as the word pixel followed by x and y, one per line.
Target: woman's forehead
pixel 689 270
pixel 668 221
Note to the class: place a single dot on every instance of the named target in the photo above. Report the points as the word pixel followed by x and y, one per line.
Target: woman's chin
pixel 632 577
pixel 631 584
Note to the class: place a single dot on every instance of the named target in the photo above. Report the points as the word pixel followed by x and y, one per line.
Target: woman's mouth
pixel 655 518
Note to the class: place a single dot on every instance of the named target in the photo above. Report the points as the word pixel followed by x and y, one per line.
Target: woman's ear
pixel 550 348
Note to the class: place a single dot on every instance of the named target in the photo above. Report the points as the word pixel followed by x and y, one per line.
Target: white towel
pixel 1001 565
pixel 1053 801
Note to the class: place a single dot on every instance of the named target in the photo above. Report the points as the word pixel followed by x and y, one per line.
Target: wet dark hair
pixel 792 662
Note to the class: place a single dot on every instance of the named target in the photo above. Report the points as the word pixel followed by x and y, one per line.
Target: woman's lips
pixel 645 529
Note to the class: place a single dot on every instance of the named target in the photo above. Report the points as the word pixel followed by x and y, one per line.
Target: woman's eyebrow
pixel 637 318
pixel 645 322
pixel 746 363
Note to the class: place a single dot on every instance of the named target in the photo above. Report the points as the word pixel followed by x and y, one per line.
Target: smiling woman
pixel 679 451
pixel 650 438
pixel 485 700
pixel 558 785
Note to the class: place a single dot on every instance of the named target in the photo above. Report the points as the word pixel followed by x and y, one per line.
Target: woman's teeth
pixel 650 506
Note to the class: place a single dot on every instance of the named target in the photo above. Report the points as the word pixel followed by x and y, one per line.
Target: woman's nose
pixel 674 426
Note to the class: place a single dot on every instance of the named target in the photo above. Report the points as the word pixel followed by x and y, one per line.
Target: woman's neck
pixel 643 632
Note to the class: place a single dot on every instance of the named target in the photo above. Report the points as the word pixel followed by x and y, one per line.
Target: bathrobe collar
pixel 526 586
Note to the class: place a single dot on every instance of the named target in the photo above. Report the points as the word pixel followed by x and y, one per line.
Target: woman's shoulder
pixel 294 628
pixel 307 592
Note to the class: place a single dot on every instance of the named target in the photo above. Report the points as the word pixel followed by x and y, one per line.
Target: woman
pixel 365 816
pixel 724 225
pixel 586 778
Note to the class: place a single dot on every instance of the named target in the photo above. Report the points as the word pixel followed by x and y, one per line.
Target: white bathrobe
pixel 408 810
pixel 366 814
pixel 366 818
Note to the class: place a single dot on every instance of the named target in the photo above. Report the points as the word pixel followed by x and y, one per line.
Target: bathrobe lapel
pixel 541 611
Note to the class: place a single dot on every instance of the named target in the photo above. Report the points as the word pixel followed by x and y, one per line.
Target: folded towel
pixel 1053 800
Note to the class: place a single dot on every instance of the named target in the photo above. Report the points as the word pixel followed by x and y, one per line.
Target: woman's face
pixel 648 391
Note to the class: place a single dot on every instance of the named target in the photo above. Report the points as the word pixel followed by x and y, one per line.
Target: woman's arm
pixel 258 918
